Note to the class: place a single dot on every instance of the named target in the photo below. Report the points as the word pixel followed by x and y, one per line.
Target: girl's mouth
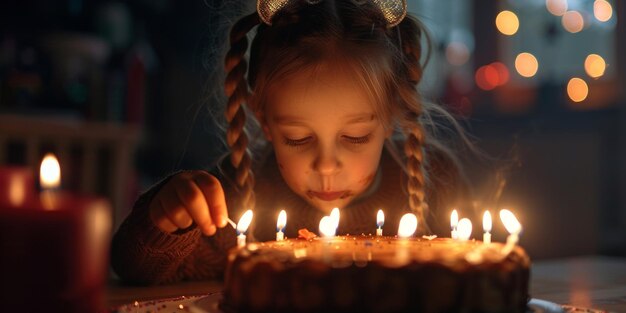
pixel 328 196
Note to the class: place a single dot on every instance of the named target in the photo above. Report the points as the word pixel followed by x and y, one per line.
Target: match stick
pixel 231 223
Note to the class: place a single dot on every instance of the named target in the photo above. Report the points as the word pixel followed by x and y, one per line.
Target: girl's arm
pixel 142 253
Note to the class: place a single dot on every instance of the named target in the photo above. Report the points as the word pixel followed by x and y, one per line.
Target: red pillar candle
pixel 54 259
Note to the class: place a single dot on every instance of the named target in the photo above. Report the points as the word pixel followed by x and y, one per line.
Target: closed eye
pixel 297 142
pixel 358 140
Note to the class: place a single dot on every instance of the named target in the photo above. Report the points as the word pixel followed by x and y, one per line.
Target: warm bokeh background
pixel 122 92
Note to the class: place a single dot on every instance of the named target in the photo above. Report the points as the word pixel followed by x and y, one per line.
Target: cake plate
pixel 209 304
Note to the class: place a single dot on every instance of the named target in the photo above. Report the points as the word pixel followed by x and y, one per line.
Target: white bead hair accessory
pixel 393 10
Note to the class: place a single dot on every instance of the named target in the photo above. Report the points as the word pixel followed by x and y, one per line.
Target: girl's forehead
pixel 323 74
pixel 321 85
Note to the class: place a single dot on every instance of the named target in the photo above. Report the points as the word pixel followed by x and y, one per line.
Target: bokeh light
pixel 503 72
pixel 602 10
pixel 577 89
pixel 556 7
pixel 573 21
pixel 491 76
pixel 457 53
pixel 526 64
pixel 483 79
pixel 595 65
pixel 507 22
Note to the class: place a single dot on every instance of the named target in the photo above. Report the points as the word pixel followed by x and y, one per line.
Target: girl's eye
pixel 297 142
pixel 358 140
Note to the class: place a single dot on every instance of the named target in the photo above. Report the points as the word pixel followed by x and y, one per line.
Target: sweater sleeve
pixel 143 254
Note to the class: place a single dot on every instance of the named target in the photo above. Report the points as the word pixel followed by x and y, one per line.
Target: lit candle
pixel 380 220
pixel 487 227
pixel 50 172
pixel 408 225
pixel 71 234
pixel 327 232
pixel 242 227
pixel 50 180
pixel 327 227
pixel 514 228
pixel 464 229
pixel 280 225
pixel 454 221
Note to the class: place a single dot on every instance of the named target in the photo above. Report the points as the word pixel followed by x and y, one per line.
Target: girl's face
pixel 326 136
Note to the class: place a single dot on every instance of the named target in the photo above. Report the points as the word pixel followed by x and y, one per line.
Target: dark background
pixel 143 75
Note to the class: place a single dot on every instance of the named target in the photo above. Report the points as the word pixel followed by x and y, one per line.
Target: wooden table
pixel 591 282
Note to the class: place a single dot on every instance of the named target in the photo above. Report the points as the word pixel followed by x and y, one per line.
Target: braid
pixel 236 91
pixel 409 38
pixel 414 151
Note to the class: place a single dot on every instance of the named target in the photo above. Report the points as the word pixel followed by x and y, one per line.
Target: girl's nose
pixel 327 163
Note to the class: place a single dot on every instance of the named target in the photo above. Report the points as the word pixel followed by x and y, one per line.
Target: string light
pixel 507 23
pixel 573 21
pixel 503 72
pixel 491 76
pixel 595 65
pixel 602 10
pixel 526 64
pixel 577 89
pixel 556 7
pixel 486 77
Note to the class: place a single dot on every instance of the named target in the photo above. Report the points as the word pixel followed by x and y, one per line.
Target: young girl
pixel 332 84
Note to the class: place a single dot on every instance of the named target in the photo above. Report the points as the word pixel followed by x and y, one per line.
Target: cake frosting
pixel 376 274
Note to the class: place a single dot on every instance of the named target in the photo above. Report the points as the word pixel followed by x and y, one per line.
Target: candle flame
pixel 244 222
pixel 487 224
pixel 334 217
pixel 454 219
pixel 465 229
pixel 380 218
pixel 510 222
pixel 50 172
pixel 282 220
pixel 408 225
pixel 327 227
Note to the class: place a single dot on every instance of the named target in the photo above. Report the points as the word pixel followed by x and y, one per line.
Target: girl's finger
pixel 193 198
pixel 214 195
pixel 175 210
pixel 160 219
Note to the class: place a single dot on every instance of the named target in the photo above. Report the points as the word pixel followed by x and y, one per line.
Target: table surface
pixel 590 282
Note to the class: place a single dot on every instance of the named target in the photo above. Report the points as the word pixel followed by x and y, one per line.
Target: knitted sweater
pixel 143 254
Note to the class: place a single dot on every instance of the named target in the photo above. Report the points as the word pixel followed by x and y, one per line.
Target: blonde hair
pixel 386 61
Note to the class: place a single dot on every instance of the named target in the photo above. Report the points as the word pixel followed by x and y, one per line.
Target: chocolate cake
pixel 376 274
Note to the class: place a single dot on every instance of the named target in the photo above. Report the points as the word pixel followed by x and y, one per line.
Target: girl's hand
pixel 189 197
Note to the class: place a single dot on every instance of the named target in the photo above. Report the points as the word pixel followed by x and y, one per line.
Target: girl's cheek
pixel 365 181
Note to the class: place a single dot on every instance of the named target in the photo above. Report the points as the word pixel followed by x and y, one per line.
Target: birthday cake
pixel 376 274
